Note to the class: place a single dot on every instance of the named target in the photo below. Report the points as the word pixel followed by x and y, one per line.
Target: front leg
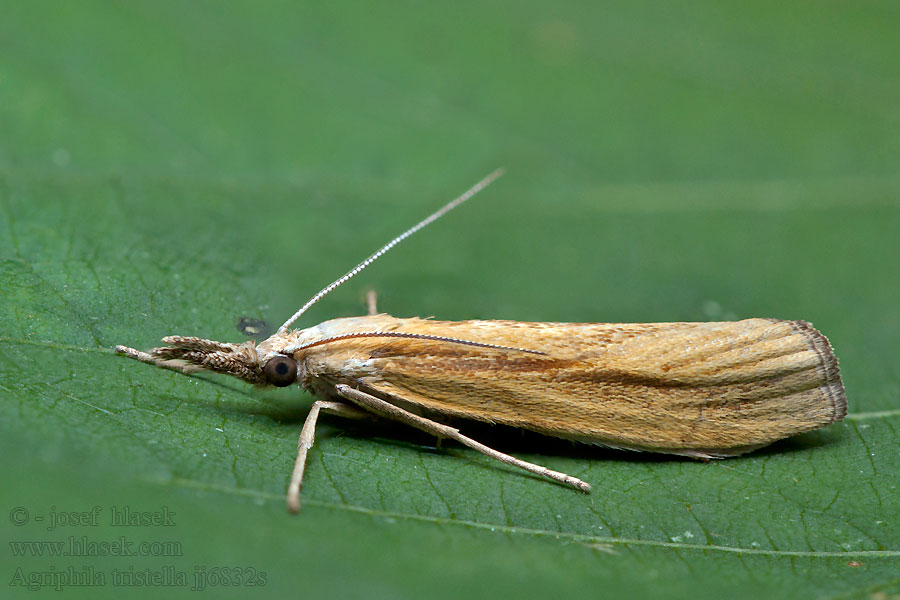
pixel 390 411
pixel 308 437
pixel 145 357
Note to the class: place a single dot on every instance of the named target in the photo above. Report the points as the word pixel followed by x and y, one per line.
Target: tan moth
pixel 704 390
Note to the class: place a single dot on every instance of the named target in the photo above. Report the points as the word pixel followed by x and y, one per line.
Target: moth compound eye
pixel 281 371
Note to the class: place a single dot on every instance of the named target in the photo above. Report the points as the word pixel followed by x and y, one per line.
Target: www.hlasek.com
pixel 84 546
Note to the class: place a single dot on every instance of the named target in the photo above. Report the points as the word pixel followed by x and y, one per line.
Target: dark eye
pixel 281 371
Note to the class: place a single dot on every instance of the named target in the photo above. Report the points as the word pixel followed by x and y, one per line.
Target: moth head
pixel 244 361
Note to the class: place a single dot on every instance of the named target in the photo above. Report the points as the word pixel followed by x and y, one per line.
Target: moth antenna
pixel 400 334
pixel 426 221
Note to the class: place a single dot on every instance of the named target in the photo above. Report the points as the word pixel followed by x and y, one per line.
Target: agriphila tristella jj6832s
pixel 704 390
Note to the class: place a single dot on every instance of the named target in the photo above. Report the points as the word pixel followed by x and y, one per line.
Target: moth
pixel 702 390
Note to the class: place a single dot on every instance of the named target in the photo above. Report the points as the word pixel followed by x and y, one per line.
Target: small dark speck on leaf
pixel 254 328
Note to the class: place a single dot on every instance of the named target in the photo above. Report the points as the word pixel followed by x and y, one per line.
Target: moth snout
pixel 201 352
pixel 191 354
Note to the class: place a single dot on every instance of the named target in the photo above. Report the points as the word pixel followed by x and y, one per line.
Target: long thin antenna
pixel 401 334
pixel 428 220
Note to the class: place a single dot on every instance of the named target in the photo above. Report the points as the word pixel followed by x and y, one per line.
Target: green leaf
pixel 170 168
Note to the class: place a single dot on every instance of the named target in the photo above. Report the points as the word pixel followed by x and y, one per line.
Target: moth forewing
pixel 697 389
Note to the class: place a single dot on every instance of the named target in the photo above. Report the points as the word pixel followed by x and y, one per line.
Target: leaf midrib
pixel 515 530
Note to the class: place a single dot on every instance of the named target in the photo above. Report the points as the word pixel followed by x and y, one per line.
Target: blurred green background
pixel 171 167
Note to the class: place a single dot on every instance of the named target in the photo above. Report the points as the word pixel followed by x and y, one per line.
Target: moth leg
pixel 386 409
pixel 145 357
pixel 372 302
pixel 307 438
